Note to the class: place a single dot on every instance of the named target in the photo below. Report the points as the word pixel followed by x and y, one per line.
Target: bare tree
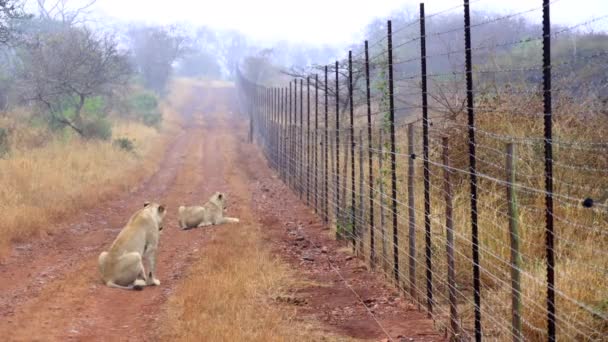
pixel 155 49
pixel 62 69
pixel 344 86
pixel 10 10
pixel 258 67
pixel 59 10
pixel 233 49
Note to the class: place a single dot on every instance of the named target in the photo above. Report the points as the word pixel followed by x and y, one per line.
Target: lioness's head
pixel 219 199
pixel 159 211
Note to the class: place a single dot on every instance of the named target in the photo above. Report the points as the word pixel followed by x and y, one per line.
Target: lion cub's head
pixel 158 211
pixel 219 199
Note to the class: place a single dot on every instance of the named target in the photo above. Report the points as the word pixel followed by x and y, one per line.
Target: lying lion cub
pixel 210 214
pixel 122 266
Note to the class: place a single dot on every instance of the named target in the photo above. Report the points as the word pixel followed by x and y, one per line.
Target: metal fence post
pixel 285 137
pixel 326 191
pixel 316 145
pixel 269 114
pixel 292 155
pixel 260 126
pixel 260 117
pixel 411 203
pixel 382 196
pixel 264 123
pixel 276 127
pixel 352 149
pixel 472 170
pixel 252 107
pixel 427 183
pixel 267 121
pixel 264 118
pixel 301 140
pixel 361 206
pixel 260 129
pixel 372 244
pixel 393 153
pixel 284 133
pixel 548 128
pixel 259 113
pixel 266 114
pixel 271 119
pixel 292 118
pixel 308 140
pixel 280 132
pixel 294 138
pixel 337 185
pixel 332 171
pixel 282 110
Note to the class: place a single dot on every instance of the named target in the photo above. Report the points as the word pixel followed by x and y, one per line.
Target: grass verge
pixel 232 294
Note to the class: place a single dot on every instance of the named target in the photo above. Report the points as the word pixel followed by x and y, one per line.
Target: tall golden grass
pixel 46 178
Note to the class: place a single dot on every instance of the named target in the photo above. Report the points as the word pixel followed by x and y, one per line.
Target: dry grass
pixel 580 233
pixel 230 294
pixel 46 178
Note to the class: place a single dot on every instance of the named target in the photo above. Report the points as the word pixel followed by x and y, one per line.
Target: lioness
pixel 122 266
pixel 209 214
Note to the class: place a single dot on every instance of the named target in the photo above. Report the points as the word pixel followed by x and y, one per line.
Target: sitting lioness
pixel 210 214
pixel 122 266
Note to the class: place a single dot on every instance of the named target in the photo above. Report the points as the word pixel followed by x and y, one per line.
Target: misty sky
pixel 314 21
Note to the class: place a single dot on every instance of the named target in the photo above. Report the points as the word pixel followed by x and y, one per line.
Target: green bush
pixel 94 106
pixel 125 144
pixel 145 108
pixel 3 141
pixel 93 115
pixel 97 128
pixel 152 119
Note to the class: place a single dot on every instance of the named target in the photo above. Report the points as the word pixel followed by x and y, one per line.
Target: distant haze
pixel 319 22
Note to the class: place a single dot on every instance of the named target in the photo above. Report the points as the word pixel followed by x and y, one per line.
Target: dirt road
pixel 50 288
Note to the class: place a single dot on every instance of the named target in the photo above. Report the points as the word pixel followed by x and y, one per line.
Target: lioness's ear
pixel 161 209
pixel 220 195
pixel 146 203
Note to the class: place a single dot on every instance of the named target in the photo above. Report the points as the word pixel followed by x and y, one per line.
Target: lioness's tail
pixel 138 285
pixel 101 262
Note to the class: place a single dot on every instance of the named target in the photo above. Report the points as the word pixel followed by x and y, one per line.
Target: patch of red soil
pixel 346 296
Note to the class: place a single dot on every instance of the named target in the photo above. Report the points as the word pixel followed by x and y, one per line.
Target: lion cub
pixel 122 266
pixel 211 213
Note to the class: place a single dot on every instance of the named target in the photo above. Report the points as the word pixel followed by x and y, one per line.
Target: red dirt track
pixel 50 289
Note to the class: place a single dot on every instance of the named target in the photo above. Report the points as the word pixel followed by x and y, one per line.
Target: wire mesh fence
pixel 479 188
